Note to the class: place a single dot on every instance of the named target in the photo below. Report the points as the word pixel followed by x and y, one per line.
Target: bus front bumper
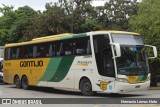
pixel 121 87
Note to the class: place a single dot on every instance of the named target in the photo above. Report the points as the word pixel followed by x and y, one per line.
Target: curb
pixel 154 88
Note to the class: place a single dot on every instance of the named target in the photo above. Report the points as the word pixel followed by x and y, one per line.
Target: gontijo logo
pixel 31 63
pixel 84 63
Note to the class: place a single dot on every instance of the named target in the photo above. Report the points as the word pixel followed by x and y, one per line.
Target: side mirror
pixel 117 49
pixel 154 51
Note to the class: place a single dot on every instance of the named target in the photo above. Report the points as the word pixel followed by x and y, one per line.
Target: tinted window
pixel 103 55
pixel 77 46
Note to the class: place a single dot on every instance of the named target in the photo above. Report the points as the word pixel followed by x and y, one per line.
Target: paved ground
pixel 9 91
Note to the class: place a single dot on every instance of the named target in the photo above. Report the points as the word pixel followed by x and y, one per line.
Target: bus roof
pixel 48 39
pixel 64 36
pixel 117 32
pixel 53 36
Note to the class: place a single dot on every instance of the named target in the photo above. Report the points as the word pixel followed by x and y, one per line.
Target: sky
pixel 38 4
pixel 35 4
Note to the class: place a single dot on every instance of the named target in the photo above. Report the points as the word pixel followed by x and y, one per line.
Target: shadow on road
pixel 64 92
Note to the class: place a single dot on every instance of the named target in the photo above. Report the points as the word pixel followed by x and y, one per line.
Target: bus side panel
pixel 32 68
pixel 57 71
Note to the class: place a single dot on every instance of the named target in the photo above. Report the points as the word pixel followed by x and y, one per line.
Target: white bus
pixel 97 61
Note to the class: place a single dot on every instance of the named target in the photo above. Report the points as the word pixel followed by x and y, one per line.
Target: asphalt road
pixel 9 91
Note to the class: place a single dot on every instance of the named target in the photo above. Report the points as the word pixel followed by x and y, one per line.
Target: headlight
pixel 123 80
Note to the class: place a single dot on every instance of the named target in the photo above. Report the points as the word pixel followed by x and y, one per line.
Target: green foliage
pixel 6 22
pixel 14 24
pixel 73 16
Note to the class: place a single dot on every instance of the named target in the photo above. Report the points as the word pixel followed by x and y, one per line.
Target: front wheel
pixel 86 87
pixel 25 83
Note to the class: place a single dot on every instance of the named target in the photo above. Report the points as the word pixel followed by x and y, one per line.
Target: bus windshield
pixel 133 60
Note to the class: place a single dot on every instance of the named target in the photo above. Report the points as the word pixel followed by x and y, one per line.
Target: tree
pixel 118 13
pixel 6 21
pixel 21 30
pixel 147 23
pixel 14 23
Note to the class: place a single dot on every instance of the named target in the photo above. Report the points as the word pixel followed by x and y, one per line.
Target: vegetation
pixel 77 16
pixel 72 16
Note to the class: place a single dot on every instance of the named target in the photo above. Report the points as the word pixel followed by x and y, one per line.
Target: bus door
pixel 104 61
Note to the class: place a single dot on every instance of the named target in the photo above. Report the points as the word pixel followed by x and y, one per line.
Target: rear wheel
pixel 25 83
pixel 86 87
pixel 17 82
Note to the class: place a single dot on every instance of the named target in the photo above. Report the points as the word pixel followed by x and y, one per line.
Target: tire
pixel 86 87
pixel 17 82
pixel 25 84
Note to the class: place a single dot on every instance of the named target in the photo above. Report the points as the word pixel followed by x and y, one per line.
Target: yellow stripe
pixel 132 79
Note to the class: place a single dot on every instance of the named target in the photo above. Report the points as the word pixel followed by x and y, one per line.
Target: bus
pixel 96 61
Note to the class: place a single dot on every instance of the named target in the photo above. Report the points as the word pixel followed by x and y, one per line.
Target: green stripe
pixel 79 35
pixel 51 69
pixel 57 69
pixel 63 69
pixel 66 37
pixel 73 36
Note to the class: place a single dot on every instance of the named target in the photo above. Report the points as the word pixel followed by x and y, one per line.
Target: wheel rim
pixel 87 87
pixel 25 82
pixel 17 81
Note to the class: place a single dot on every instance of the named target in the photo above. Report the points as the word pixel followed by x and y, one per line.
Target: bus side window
pixel 49 50
pixel 30 53
pixel 17 53
pixel 83 46
pixel 53 46
pixel 21 52
pixel 25 51
pixel 14 51
pixel 89 47
pixel 58 50
pixel 67 47
pixel 74 48
pixel 43 51
pixel 7 53
pixel 38 52
pixel 34 51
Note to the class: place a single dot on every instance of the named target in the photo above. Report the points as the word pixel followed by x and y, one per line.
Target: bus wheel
pixel 17 82
pixel 86 87
pixel 25 83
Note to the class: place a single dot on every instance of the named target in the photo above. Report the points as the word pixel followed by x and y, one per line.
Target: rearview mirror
pixel 117 49
pixel 154 51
